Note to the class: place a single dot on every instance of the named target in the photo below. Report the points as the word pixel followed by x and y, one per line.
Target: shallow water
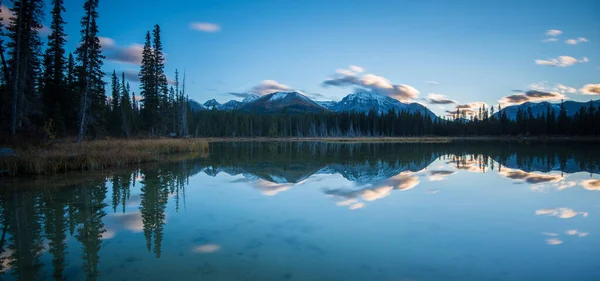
pixel 308 211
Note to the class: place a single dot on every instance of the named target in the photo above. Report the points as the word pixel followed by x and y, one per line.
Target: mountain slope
pixel 365 101
pixel 572 107
pixel 292 102
pixel 212 104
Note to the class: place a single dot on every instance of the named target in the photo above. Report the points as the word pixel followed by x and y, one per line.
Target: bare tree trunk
pixel 86 86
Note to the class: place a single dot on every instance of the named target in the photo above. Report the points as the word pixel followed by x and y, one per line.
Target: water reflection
pixel 59 233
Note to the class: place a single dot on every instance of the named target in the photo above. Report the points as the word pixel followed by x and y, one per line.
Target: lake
pixel 315 211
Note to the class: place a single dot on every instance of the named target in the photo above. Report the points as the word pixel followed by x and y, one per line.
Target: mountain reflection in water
pixel 60 232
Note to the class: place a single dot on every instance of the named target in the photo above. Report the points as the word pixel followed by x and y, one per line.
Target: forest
pixel 49 93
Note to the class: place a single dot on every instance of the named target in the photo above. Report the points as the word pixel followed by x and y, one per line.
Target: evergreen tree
pixel 126 110
pixel 154 199
pixel 160 79
pixel 115 109
pixel 89 57
pixel 55 228
pixel 25 49
pixel 148 87
pixel 54 94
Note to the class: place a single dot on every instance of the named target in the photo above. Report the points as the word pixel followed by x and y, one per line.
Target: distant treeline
pixel 586 122
pixel 51 94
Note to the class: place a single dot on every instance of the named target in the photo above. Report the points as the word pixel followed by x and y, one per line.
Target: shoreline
pixel 404 139
pixel 64 156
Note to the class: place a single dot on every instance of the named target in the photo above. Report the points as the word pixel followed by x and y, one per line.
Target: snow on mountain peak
pixel 249 98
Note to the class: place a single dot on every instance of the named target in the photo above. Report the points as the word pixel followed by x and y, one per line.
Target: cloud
pixel 544 87
pixel 563 89
pixel 131 54
pixel 205 27
pixel 207 248
pixel 439 99
pixel 591 89
pixel 553 32
pixel 432 82
pixel 562 213
pixel 547 40
pixel 576 41
pixel 553 241
pixel 439 175
pixel 352 197
pixel 532 96
pixel 240 95
pixel 561 61
pixel 591 184
pixel 356 69
pixel 575 232
pixel 531 178
pixel 550 234
pixel 357 206
pixel 379 84
pixel 6 14
pixel 106 42
pixel 269 86
pixel 470 109
pixel 130 75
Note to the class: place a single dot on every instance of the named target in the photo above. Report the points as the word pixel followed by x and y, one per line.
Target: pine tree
pixel 115 110
pixel 71 106
pixel 160 79
pixel 148 87
pixel 25 50
pixel 90 75
pixel 125 106
pixel 54 94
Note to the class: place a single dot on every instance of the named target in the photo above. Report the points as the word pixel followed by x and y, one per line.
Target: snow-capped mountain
pixel 292 102
pixel 230 105
pixel 572 107
pixel 212 104
pixel 365 101
pixel 327 104
pixel 250 97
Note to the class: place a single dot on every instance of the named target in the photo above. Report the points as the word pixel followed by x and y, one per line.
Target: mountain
pixel 292 102
pixel 572 107
pixel 230 105
pixel 365 101
pixel 327 104
pixel 212 104
pixel 196 106
pixel 250 97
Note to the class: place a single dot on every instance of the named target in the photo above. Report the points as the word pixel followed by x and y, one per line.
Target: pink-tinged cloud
pixel 205 27
pixel 350 77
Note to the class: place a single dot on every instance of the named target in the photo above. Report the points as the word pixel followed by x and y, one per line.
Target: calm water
pixel 306 211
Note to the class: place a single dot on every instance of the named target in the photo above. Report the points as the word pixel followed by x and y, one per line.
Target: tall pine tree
pixel 25 49
pixel 89 72
pixel 54 94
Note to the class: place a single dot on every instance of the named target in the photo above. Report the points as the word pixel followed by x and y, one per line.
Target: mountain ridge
pixel 363 102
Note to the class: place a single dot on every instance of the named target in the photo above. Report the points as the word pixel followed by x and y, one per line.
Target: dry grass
pixel 97 155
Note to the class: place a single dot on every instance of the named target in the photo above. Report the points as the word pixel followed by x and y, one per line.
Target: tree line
pixel 52 93
pixel 485 122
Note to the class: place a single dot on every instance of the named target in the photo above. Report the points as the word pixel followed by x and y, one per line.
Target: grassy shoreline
pixel 97 155
pixel 60 157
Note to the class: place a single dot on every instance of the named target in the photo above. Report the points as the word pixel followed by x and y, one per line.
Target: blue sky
pixel 475 51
